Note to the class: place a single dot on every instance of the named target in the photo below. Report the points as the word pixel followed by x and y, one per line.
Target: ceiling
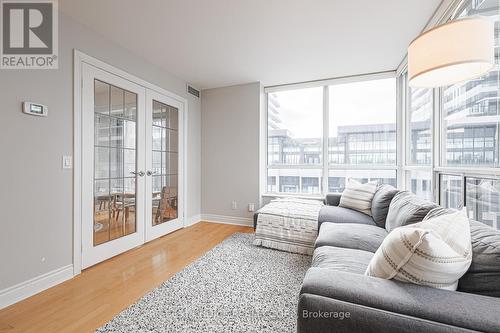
pixel 215 43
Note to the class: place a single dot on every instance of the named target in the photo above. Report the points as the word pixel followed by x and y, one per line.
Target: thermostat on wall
pixel 35 109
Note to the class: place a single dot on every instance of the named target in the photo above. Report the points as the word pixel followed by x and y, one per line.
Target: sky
pixel 358 103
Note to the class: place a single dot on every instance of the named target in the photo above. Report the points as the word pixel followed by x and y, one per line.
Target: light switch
pixel 67 162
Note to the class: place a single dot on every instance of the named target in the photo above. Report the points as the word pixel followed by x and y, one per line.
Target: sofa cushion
pixel 333 199
pixel 358 196
pixel 438 211
pixel 380 203
pixel 351 235
pixel 342 215
pixel 406 208
pixel 447 311
pixel 341 259
pixel 436 252
pixel 483 276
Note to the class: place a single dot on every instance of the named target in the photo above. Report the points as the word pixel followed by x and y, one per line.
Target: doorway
pixel 131 164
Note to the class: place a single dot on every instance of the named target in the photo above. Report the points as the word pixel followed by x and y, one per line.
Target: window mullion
pixel 437 141
pixel 326 122
pixel 401 128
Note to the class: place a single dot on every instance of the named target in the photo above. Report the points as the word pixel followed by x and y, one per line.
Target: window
pixel 271 184
pixel 289 184
pixel 361 132
pixel 450 193
pixel 294 181
pixel 482 199
pixel 419 133
pixel 295 125
pixel 311 185
pixel 467 137
pixel 337 179
pixel 419 141
pixel 471 110
pixel 295 141
pixel 468 132
pixel 469 140
pixel 352 132
pixel 420 183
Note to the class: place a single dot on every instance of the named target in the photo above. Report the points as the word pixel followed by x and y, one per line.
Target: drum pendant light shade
pixel 450 53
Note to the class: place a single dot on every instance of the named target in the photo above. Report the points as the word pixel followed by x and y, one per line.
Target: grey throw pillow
pixel 438 211
pixel 380 203
pixel 406 208
pixel 483 276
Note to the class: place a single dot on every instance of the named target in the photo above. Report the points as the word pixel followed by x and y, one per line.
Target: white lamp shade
pixel 450 53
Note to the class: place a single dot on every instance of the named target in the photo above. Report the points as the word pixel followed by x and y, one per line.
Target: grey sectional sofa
pixel 336 296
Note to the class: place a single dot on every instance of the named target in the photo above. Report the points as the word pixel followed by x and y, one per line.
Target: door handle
pixel 138 173
pixel 150 173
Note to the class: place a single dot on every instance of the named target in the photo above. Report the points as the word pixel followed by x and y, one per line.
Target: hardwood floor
pixel 91 299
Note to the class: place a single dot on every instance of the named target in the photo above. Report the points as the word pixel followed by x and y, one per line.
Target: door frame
pixel 80 58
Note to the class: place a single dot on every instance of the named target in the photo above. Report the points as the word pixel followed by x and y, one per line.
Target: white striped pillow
pixel 358 196
pixel 434 253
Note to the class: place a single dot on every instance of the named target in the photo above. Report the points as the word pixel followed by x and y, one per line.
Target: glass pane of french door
pixel 115 147
pixel 164 172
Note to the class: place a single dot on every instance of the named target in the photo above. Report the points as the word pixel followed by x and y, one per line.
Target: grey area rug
pixel 235 287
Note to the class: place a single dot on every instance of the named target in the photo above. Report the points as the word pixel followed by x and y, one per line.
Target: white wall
pixel 230 149
pixel 35 192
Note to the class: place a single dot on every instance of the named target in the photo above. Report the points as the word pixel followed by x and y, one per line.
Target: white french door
pixel 131 165
pixel 164 164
